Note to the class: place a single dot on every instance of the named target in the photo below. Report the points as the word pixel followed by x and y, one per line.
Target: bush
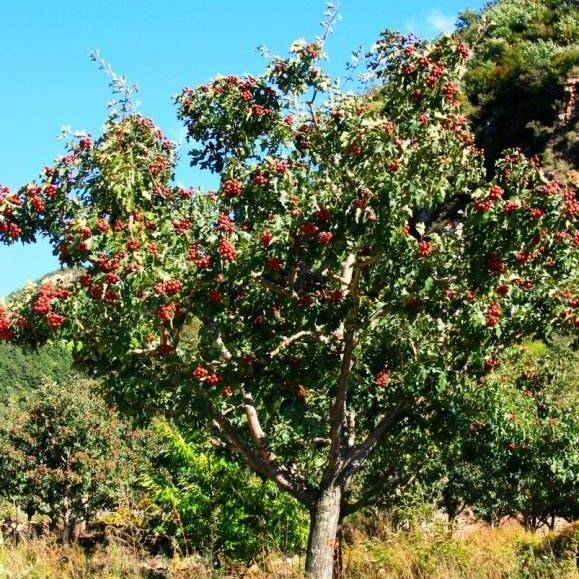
pixel 215 506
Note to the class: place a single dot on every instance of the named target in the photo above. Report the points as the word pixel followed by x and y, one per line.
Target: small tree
pixel 62 455
pixel 524 458
pixel 354 275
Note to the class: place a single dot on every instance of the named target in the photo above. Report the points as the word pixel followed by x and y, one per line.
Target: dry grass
pixel 506 553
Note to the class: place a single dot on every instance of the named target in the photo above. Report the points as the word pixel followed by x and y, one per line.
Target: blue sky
pixel 48 81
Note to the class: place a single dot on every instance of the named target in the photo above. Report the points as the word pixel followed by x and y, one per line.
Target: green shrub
pixel 213 505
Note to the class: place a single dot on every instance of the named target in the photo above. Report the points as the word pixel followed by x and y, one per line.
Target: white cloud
pixel 440 22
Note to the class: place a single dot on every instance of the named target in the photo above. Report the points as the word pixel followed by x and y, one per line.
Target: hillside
pixel 522 82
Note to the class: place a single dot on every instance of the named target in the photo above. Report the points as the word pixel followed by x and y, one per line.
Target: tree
pixel 22 371
pixel 343 304
pixel 524 459
pixel 62 455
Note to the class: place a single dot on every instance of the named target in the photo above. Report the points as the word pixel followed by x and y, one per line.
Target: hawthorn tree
pixel 352 277
pixel 523 460
pixel 62 455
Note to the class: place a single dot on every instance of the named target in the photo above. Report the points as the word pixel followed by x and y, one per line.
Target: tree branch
pixel 372 495
pixel 282 476
pixel 350 281
pixel 358 454
pixel 289 340
pixel 260 440
pixel 274 287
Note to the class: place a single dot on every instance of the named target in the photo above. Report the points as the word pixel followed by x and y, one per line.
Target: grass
pixel 427 553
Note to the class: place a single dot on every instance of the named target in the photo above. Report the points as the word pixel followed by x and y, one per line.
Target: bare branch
pixel 282 476
pixel 350 281
pixel 289 340
pixel 358 454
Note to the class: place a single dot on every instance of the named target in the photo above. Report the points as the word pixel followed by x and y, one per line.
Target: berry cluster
pixel 425 248
pixel 168 288
pixel 266 238
pixel 496 263
pixel 227 251
pixel 201 374
pixel 493 315
pixel 232 188
pixel 382 379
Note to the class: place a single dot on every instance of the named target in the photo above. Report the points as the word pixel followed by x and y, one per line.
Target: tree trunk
pixel 338 552
pixel 324 523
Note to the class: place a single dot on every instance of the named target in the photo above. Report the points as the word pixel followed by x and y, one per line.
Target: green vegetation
pixel 515 82
pixel 63 455
pixel 431 553
pixel 522 460
pixel 215 507
pixel 23 370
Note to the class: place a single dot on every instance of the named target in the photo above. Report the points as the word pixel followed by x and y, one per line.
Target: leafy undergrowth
pixel 505 553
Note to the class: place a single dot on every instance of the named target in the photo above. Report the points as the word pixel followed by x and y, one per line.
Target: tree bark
pixel 338 572
pixel 324 523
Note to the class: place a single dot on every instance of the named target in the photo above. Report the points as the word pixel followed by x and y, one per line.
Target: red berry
pixel 41 306
pixel 493 315
pixel 214 295
pixel 490 363
pixel 266 238
pixel 200 373
pixel 425 248
pixel 325 237
pixel 496 264
pixel 167 312
pixel 213 379
pixel 502 289
pixel 260 180
pixel 274 263
pixel 226 250
pixel 165 349
pixel 324 214
pixel 496 192
pixel 103 225
pixel 85 279
pixel 382 379
pixel 232 188
pixel 182 225
pixel 54 320
pixel 523 257
pixel 281 166
pixel 225 223
pixel 356 149
pixel 462 50
pixel 536 213
pixel 310 229
pixel 484 205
